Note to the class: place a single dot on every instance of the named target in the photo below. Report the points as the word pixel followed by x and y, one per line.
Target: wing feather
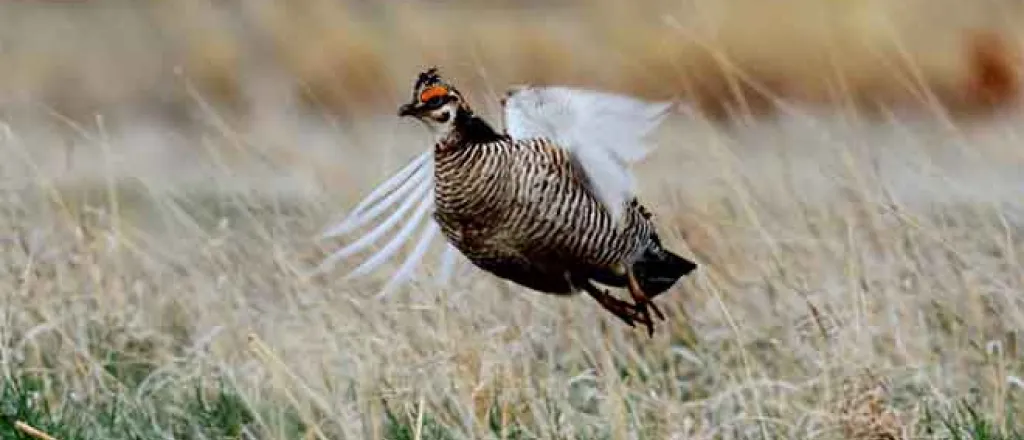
pixel 368 210
pixel 605 132
pixel 369 238
pixel 401 176
pixel 414 183
pixel 447 263
pixel 396 242
pixel 426 237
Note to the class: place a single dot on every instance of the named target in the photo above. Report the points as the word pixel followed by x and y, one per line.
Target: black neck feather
pixel 472 129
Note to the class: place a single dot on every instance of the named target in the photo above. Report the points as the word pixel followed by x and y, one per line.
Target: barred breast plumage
pixel 521 209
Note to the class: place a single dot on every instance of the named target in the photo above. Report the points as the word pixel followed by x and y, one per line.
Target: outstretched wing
pixel 409 190
pixel 605 132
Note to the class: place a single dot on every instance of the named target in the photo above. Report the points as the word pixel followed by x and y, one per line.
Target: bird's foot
pixel 625 311
pixel 642 304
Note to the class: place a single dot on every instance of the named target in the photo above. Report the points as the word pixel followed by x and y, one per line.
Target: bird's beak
pixel 406 110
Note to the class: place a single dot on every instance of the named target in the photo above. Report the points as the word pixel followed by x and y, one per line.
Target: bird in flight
pixel 548 204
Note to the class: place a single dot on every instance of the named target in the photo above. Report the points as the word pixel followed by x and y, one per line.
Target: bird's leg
pixel 623 310
pixel 623 270
pixel 657 311
pixel 642 302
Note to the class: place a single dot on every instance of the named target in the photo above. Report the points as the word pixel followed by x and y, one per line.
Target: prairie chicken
pixel 549 204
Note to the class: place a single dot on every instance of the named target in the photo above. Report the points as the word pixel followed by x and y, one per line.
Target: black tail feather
pixel 657 270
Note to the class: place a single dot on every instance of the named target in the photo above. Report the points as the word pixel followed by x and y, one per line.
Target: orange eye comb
pixel 433 92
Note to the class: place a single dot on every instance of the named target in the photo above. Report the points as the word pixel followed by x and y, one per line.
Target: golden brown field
pixel 168 166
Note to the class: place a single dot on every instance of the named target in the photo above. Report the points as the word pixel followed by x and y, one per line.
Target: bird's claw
pixel 643 309
pixel 631 313
pixel 642 303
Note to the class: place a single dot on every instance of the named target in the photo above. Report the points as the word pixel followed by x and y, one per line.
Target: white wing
pixel 412 186
pixel 604 132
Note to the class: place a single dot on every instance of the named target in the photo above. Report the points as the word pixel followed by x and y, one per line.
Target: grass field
pixel 860 273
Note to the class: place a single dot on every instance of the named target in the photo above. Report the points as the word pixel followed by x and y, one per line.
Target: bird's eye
pixel 434 102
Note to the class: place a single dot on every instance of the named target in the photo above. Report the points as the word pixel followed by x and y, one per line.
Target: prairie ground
pixel 860 273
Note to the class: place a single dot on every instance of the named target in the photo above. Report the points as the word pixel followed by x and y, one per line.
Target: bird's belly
pixel 490 247
pixel 469 235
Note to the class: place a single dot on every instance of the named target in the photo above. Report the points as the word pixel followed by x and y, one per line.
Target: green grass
pixel 189 410
pixel 203 410
pixel 965 422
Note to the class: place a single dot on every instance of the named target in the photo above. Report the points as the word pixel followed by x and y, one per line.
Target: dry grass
pixel 154 253
pixel 829 246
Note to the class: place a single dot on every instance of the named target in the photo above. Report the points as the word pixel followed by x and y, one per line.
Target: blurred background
pixel 308 84
pixel 349 59
pixel 848 177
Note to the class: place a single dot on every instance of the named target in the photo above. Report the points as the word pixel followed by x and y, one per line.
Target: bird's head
pixel 434 102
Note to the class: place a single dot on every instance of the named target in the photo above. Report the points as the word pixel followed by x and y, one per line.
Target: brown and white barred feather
pixel 523 208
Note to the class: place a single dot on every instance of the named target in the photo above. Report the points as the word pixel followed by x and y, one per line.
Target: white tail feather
pixel 389 249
